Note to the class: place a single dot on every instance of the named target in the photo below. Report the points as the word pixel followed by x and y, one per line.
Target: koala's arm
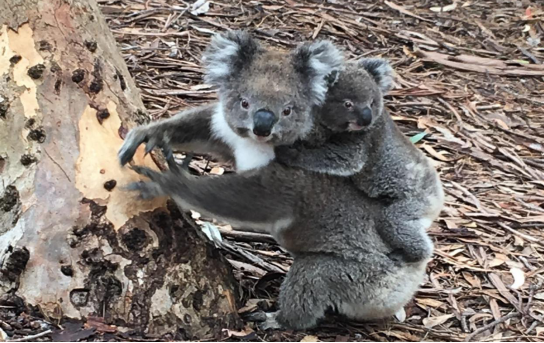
pixel 262 199
pixel 188 131
pixel 342 155
pixel 403 227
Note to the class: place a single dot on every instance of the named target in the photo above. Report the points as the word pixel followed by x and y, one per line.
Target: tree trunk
pixel 73 243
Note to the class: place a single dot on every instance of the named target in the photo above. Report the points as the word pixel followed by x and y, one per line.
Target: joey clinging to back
pixel 265 99
pixel 365 144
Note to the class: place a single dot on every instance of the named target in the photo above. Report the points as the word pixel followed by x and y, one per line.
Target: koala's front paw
pixel 146 190
pixel 286 155
pixel 141 135
pixel 132 141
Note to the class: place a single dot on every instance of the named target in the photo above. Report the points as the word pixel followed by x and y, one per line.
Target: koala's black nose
pixel 263 122
pixel 364 117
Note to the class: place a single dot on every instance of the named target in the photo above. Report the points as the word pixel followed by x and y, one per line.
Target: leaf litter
pixel 469 90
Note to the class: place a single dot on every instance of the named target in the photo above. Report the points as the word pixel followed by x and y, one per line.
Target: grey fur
pixel 381 161
pixel 341 262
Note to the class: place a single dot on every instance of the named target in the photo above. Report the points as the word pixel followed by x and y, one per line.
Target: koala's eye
pixel 244 103
pixel 348 104
pixel 287 111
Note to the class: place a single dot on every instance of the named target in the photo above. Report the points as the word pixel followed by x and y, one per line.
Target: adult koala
pixel 265 99
pixel 340 261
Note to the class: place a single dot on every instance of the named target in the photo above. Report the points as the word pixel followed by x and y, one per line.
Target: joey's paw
pixel 286 155
pixel 146 190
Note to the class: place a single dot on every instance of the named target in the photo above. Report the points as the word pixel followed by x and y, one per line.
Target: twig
pixel 491 325
pixel 243 236
pixel 522 235
pixel 31 337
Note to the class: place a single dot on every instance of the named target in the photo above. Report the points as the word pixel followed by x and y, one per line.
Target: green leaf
pixel 418 137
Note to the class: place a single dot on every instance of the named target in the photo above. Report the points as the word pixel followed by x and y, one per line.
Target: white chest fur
pixel 248 153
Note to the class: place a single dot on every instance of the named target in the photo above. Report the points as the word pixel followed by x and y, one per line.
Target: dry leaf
pixel 434 321
pixel 519 278
pixel 539 296
pixel 446 8
pixel 195 215
pixel 435 154
pixel 404 10
pixel 217 171
pixel 310 339
pixel 401 315
pixel 243 333
pixel 250 306
pixel 200 7
pixel 498 260
pixel 429 302
pixel 474 281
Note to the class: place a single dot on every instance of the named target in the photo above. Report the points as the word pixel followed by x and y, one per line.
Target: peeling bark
pixel 71 241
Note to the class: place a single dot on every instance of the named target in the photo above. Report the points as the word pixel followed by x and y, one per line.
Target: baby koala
pixel 363 142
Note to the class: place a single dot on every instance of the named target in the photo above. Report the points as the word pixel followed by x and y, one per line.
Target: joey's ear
pixel 380 70
pixel 319 64
pixel 227 54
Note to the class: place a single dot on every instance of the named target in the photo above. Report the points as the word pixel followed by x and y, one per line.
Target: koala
pixel 265 99
pixel 365 144
pixel 341 262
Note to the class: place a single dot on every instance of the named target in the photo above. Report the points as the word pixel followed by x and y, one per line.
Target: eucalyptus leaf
pixel 416 138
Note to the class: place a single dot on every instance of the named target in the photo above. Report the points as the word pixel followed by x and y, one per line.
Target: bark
pixel 72 242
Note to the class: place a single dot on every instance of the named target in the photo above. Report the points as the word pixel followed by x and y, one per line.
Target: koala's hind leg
pixel 383 295
pixel 304 295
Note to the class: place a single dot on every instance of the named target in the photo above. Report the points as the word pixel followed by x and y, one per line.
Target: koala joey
pixel 366 145
pixel 265 99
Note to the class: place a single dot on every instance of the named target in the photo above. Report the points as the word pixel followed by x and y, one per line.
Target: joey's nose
pixel 263 122
pixel 365 117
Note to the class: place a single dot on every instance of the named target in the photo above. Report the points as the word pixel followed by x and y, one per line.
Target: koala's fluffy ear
pixel 380 70
pixel 227 54
pixel 319 63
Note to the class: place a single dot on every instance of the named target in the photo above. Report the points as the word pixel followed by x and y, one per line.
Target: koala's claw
pixel 150 173
pixel 146 190
pixel 169 156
